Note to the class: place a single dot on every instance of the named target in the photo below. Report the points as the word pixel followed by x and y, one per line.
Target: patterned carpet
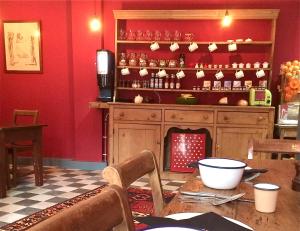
pixel 140 200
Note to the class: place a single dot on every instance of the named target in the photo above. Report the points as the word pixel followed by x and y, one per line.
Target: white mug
pixel 125 71
pixel 154 46
pixel 193 46
pixel 234 65
pixel 174 46
pixel 239 74
pixel 180 74
pixel 232 47
pixel 265 64
pixel 241 65
pixel 143 72
pixel 162 73
pixel 200 74
pixel 260 73
pixel 219 75
pixel 248 65
pixel 212 47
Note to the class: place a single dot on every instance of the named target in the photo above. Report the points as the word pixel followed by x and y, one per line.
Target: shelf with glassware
pixel 189 42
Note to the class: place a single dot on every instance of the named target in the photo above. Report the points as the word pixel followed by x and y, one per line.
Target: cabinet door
pixel 233 142
pixel 130 139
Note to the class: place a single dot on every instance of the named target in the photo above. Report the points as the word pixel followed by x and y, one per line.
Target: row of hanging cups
pixel 238 74
pixel 161 72
pixel 174 46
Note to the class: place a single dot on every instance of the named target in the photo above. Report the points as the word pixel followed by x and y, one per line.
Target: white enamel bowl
pixel 219 173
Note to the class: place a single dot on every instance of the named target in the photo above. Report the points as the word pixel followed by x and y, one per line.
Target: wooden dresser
pixel 134 127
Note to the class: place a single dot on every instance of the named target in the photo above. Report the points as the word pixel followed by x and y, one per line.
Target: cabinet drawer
pixel 250 118
pixel 137 114
pixel 189 116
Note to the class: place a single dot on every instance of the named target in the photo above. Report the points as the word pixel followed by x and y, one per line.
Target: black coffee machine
pixel 105 75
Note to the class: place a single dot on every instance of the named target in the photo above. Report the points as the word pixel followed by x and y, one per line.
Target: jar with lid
pixel 143 60
pixel 172 81
pixel 122 61
pixel 181 60
pixel 132 59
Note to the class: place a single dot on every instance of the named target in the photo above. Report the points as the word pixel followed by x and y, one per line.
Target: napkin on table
pixel 208 221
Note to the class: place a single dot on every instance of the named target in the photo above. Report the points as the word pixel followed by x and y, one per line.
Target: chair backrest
pixel 125 173
pixel 25 116
pixel 107 210
pixel 272 146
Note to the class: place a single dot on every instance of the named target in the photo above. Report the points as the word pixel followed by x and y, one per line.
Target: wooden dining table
pixel 17 133
pixel 280 172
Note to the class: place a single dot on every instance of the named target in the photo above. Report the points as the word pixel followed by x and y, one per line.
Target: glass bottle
pixel 181 60
pixel 152 80
pixel 167 82
pixel 156 81
pixel 178 85
pixel 172 83
pixel 160 83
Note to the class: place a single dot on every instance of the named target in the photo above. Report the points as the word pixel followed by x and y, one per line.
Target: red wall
pixel 68 82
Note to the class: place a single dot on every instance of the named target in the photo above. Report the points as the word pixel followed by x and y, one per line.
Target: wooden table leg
pixel 3 167
pixel 37 158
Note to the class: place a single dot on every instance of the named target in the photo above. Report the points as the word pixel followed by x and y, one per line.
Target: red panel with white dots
pixel 186 148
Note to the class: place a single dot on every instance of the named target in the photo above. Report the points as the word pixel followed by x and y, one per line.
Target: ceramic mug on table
pixel 193 46
pixel 265 64
pixel 265 196
pixel 248 65
pixel 256 65
pixel 234 65
pixel 241 65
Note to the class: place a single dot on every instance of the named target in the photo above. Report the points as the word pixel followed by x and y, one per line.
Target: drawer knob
pixel 260 118
pixel 226 118
pixel 173 116
pixel 121 114
pixel 153 115
pixel 205 117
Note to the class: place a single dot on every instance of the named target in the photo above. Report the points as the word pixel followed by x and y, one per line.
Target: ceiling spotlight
pixel 227 19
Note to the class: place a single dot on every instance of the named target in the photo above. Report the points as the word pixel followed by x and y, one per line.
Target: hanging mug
pixel 174 46
pixel 154 46
pixel 161 73
pixel 232 47
pixel 125 71
pixel 200 74
pixel 143 72
pixel 180 74
pixel 193 46
pixel 260 73
pixel 239 74
pixel 219 75
pixel 212 47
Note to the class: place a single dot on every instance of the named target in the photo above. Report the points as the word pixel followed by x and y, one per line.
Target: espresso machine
pixel 105 75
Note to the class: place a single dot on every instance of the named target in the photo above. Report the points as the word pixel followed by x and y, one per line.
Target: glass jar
pixel 132 59
pixel 122 60
pixel 143 60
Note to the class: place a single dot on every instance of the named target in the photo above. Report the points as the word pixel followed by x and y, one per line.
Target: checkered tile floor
pixel 59 185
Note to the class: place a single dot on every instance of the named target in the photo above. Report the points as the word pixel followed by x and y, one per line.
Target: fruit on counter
pixel 290 70
pixel 242 102
pixel 223 100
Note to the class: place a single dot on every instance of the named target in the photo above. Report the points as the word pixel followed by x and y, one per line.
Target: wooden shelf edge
pixel 193 69
pixel 198 42
pixel 97 104
pixel 181 90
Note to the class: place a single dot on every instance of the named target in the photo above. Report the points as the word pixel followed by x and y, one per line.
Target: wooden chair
pixel 20 117
pixel 270 146
pixel 107 210
pixel 125 173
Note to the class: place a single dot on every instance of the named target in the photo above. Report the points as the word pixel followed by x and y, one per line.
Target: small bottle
pixel 156 81
pixel 160 83
pixel 177 86
pixel 172 83
pixel 167 82
pixel 152 80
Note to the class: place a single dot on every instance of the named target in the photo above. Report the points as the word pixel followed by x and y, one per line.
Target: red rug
pixel 140 200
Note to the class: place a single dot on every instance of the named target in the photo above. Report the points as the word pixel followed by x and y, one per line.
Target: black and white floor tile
pixel 59 185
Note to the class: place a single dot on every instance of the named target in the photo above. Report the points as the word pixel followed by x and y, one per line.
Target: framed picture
pixel 22 46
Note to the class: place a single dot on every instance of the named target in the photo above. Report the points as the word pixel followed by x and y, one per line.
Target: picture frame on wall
pixel 22 46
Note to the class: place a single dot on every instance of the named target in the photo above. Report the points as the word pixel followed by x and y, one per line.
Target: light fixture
pixel 94 23
pixel 226 21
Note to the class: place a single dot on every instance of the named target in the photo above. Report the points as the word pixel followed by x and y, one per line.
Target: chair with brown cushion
pixel 107 210
pixel 125 173
pixel 258 149
pixel 20 117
